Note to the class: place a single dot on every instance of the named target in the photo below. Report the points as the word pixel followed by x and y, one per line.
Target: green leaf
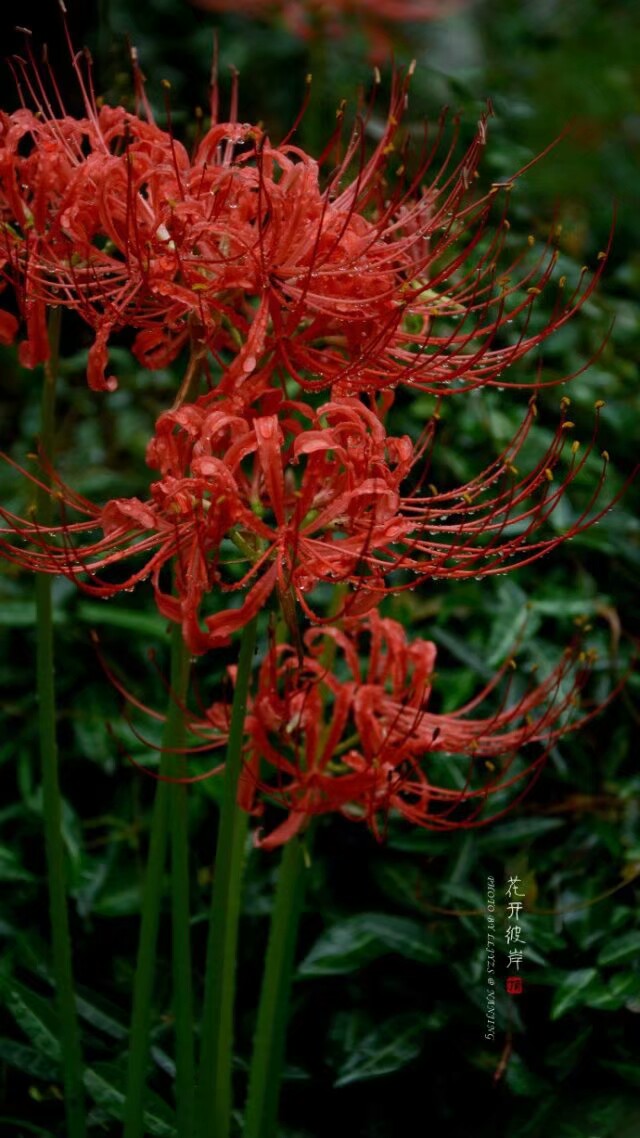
pixel 521 829
pixel 20 1127
pixel 522 1081
pixel 35 1016
pixel 404 883
pixel 103 1082
pixel 620 948
pixel 355 941
pixel 28 1060
pixel 462 652
pixel 389 1047
pixel 573 991
pixel 565 1055
pixel 131 620
pixel 100 1019
pixel 568 606
pixel 10 868
pixel 630 1072
pixel 512 617
pixel 121 901
pixel 621 989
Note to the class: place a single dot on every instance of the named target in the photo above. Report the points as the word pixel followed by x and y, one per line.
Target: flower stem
pixel 215 1098
pixel 267 1061
pixel 180 908
pixel 52 800
pixel 173 737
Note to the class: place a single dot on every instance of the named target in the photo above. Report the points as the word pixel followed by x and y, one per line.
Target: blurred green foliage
pixel 388 1019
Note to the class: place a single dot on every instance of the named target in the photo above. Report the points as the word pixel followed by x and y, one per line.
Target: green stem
pixel 180 908
pixel 150 912
pixel 143 979
pixel 52 800
pixel 267 1061
pixel 215 1098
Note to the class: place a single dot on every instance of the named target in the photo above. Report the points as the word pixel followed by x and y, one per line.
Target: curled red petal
pixel 8 328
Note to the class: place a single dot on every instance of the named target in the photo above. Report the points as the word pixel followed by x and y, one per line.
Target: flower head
pixel 250 504
pixel 349 730
pixel 251 255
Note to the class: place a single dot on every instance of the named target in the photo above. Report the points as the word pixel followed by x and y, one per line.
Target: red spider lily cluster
pixel 301 300
pixel 342 724
pixel 360 739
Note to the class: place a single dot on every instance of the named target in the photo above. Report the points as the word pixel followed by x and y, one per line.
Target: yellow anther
pixel 531 239
pixel 533 291
pixel 567 425
pixel 548 474
pixel 562 282
pixel 565 402
pixel 166 84
pixel 599 403
pixel 575 446
pixel 601 256
pixel 605 455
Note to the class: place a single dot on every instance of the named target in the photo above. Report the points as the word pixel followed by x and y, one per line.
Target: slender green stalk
pixel 150 915
pixel 143 979
pixel 265 1075
pixel 180 908
pixel 215 1099
pixel 52 800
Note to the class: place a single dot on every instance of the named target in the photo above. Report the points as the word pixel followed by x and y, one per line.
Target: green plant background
pixel 387 1031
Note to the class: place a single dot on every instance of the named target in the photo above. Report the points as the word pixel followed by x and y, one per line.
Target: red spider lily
pixel 353 734
pixel 327 19
pixel 409 10
pixel 283 501
pixel 347 729
pixel 241 250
